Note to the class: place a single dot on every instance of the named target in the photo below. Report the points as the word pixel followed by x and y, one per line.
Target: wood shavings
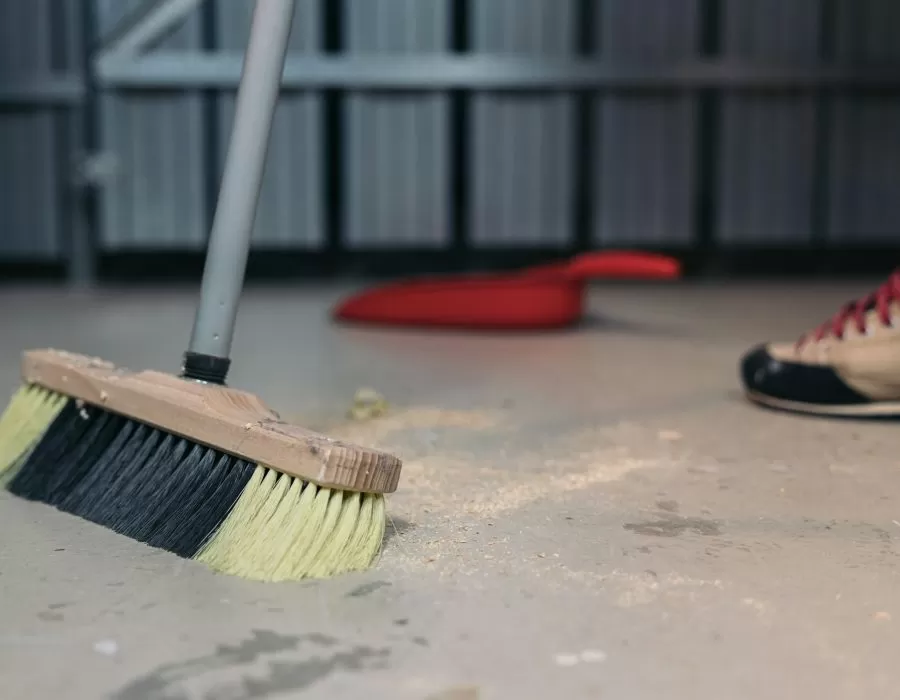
pixel 367 404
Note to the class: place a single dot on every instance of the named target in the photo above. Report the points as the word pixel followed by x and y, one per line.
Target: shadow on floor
pixel 396 527
pixel 590 323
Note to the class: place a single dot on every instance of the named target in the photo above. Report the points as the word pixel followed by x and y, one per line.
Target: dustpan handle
pixel 611 264
pixel 624 264
pixel 207 357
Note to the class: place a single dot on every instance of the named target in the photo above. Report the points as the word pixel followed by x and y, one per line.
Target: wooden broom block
pixel 226 419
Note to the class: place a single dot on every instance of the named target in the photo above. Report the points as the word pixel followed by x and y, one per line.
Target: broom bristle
pixel 284 528
pixel 195 501
pixel 27 416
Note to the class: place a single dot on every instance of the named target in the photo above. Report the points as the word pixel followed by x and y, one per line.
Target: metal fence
pixel 467 124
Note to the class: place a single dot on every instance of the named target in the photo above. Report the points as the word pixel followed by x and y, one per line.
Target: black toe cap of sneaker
pixel 794 381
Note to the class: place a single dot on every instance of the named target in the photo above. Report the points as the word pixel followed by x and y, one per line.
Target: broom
pixel 185 463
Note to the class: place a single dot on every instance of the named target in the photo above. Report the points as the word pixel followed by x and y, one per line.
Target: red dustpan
pixel 548 296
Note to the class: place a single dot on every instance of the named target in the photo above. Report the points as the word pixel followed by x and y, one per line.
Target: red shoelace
pixel 880 300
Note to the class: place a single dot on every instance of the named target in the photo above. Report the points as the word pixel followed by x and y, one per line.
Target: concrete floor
pixel 590 514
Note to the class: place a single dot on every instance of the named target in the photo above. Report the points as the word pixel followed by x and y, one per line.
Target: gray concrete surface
pixel 589 514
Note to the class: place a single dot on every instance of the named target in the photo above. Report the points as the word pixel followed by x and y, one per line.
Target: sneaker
pixel 848 366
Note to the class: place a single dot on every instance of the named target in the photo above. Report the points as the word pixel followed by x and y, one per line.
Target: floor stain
pixel 668 506
pixel 50 616
pixel 367 588
pixel 396 526
pixel 292 676
pixel 57 606
pixel 162 683
pixel 674 526
pixel 882 535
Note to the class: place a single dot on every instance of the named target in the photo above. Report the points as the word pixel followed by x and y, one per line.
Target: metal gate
pixel 457 126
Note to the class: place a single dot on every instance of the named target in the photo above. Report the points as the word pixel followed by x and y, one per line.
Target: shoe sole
pixel 883 409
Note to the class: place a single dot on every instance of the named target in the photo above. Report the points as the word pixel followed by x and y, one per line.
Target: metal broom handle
pixel 207 357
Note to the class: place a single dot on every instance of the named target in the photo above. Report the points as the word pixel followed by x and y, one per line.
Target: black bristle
pixel 145 479
pixel 41 466
pixel 77 464
pixel 137 480
pixel 195 507
pixel 200 459
pixel 139 448
pixel 86 494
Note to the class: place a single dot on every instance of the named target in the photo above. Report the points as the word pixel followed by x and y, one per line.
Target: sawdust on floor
pixel 453 491
pixel 456 482
pixel 379 429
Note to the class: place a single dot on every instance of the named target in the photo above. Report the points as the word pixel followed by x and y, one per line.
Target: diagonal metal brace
pixel 142 28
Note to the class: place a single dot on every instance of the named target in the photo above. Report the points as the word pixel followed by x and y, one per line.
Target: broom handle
pixel 229 241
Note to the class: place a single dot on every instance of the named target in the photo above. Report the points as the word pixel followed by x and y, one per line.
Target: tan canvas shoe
pixel 849 366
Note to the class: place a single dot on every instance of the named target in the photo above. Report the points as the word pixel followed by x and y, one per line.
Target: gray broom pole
pixel 207 357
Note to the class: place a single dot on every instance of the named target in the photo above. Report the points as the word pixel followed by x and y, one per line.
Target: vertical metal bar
pixel 460 137
pixel 824 106
pixel 333 150
pixel 82 136
pixel 707 135
pixel 229 241
pixel 211 114
pixel 587 45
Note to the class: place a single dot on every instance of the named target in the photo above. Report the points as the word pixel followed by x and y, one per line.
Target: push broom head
pixel 204 471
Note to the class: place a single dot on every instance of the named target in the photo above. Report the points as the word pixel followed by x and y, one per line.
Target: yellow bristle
pixel 301 566
pixel 294 537
pixel 299 536
pixel 284 529
pixel 365 519
pixel 270 551
pixel 241 514
pixel 30 412
pixel 332 547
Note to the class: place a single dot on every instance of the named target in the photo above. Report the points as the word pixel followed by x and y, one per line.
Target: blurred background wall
pixel 418 134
